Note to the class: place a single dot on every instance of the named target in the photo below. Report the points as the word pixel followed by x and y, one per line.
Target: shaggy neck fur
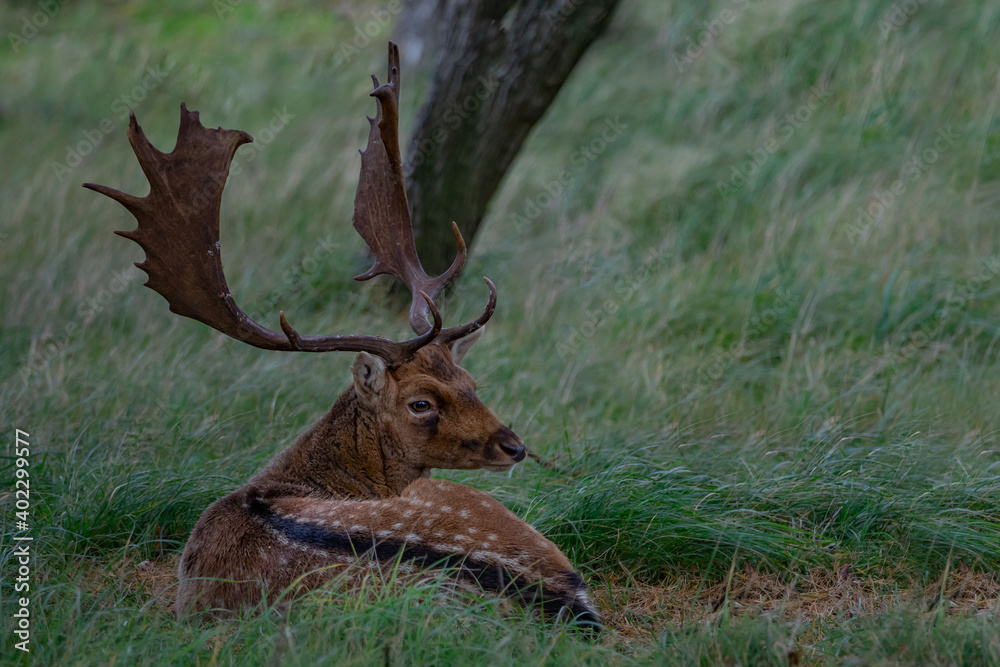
pixel 347 454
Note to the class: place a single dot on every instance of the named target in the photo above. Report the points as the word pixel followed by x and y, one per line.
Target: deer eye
pixel 421 406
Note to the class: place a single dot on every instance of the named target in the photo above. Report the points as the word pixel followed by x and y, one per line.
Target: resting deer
pixel 356 485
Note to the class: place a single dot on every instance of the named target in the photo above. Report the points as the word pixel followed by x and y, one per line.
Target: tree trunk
pixel 500 64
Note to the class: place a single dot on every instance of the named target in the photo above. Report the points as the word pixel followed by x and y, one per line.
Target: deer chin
pixel 499 467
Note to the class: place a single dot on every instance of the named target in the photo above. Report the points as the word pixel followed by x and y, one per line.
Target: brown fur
pixel 354 486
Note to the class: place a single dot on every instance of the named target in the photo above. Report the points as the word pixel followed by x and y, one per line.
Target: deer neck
pixel 349 453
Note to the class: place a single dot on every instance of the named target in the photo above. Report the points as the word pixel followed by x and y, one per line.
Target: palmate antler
pixel 382 218
pixel 179 230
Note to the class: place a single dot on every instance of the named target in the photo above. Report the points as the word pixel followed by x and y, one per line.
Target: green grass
pixel 721 376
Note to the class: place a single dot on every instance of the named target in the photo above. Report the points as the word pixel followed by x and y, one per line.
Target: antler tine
pixel 179 231
pixel 418 309
pixel 393 352
pixel 381 215
pixel 426 338
pixel 454 333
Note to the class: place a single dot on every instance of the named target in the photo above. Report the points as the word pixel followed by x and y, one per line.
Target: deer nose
pixel 514 449
pixel 510 444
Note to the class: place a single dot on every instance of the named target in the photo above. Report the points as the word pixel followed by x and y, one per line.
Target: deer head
pixel 414 387
pixel 431 402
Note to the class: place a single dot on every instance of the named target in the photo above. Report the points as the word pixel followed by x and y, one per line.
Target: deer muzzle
pixel 508 442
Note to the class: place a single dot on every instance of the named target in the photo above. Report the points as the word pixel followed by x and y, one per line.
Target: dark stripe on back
pixel 491 576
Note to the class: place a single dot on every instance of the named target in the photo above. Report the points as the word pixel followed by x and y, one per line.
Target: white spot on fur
pixel 485 503
pixel 445 508
pixel 335 524
pixel 438 533
pixel 384 533
pixel 462 538
pixel 413 537
pixel 491 537
pixel 494 557
pixel 471 530
pixel 407 514
pixel 464 514
pixel 397 526
pixel 356 527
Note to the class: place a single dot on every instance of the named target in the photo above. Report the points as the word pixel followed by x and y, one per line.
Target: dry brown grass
pixel 157 580
pixel 637 611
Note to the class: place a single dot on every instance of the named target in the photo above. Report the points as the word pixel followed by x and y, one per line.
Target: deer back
pixel 282 544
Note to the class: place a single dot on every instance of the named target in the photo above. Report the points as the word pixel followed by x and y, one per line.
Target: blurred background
pixel 749 292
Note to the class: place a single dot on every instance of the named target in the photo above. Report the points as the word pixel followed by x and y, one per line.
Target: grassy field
pixel 754 342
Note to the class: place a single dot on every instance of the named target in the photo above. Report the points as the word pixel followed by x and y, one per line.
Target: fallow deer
pixel 356 485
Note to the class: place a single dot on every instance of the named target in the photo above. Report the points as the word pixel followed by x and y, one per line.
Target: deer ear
pixel 369 375
pixel 461 346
